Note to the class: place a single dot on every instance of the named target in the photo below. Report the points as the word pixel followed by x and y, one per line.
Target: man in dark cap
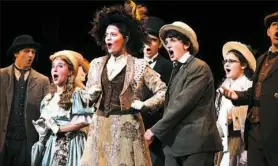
pixel 261 128
pixel 164 67
pixel 22 89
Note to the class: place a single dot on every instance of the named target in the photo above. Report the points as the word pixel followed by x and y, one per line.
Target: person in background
pixel 239 65
pixel 22 90
pixel 162 66
pixel 261 131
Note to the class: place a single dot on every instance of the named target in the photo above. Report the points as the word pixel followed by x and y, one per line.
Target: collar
pixel 21 70
pixel 118 58
pixel 151 60
pixel 185 57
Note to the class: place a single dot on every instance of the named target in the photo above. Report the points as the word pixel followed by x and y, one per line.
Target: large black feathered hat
pixel 22 41
pixel 117 15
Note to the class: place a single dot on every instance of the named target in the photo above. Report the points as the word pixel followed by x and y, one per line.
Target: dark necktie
pixel 22 73
pixel 152 61
pixel 272 55
pixel 176 68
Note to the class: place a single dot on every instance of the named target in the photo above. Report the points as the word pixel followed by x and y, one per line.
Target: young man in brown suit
pixel 187 129
pixel 22 89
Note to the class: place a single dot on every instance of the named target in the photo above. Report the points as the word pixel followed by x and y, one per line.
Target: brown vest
pixel 110 100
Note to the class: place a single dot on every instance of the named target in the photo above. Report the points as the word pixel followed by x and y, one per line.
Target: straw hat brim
pixel 243 49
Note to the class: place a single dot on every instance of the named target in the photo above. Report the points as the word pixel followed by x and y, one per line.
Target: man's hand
pixel 137 104
pixel 149 136
pixel 228 93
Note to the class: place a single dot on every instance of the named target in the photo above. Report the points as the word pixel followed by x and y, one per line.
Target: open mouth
pixel 228 70
pixel 55 77
pixel 148 49
pixel 171 52
pixel 109 45
pixel 276 34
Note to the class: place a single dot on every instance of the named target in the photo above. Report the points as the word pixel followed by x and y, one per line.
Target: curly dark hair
pixel 116 15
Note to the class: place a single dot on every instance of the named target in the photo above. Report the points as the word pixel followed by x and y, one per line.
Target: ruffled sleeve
pixel 81 111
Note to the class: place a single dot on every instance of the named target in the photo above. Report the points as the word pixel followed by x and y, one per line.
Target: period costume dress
pixel 232 120
pixel 116 135
pixel 63 148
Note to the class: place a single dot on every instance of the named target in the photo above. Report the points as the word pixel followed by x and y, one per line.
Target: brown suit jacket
pixel 268 106
pixel 37 88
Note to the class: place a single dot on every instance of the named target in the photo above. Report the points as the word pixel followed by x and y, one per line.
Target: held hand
pixel 51 123
pixel 228 93
pixel 41 128
pixel 149 136
pixel 137 104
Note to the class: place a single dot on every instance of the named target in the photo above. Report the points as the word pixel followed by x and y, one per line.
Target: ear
pixel 268 32
pixel 126 39
pixel 15 55
pixel 186 46
pixel 243 67
pixel 160 44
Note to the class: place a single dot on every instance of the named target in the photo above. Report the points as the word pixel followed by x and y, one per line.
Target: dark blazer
pixel 37 88
pixel 189 122
pixel 164 67
pixel 268 106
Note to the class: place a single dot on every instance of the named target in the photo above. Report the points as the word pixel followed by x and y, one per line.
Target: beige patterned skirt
pixel 116 141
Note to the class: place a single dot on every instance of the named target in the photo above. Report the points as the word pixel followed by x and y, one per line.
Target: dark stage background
pixel 65 25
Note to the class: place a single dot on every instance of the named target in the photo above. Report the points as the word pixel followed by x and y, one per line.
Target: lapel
pixel 10 89
pixel 180 72
pixel 129 73
pixel 32 80
pixel 272 70
pixel 259 66
pixel 157 64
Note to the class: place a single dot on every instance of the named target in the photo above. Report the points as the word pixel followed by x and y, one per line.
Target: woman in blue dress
pixel 64 112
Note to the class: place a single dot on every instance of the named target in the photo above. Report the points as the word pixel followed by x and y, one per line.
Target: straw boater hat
pixel 184 29
pixel 243 49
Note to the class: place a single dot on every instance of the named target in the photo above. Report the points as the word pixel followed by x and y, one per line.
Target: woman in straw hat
pixel 239 65
pixel 116 134
pixel 64 111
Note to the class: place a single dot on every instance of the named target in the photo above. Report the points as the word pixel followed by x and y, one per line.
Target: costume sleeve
pixel 44 102
pixel 81 111
pixel 243 97
pixel 157 86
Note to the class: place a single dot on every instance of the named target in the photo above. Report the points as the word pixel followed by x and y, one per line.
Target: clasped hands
pixel 43 125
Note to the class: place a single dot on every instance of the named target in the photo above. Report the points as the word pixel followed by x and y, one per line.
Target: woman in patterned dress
pixel 116 135
pixel 64 112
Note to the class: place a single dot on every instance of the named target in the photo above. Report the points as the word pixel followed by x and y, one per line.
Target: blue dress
pixel 63 148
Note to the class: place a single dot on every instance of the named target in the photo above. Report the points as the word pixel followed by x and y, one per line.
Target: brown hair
pixel 66 96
